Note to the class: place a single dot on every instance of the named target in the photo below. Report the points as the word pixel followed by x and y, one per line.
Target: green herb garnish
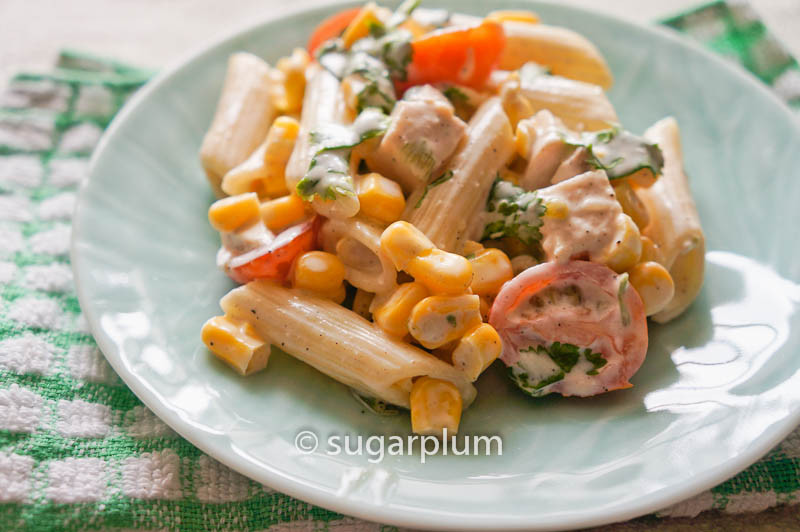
pixel 618 152
pixel 456 95
pixel 435 183
pixel 597 360
pixel 565 356
pixel 513 212
pixel 451 319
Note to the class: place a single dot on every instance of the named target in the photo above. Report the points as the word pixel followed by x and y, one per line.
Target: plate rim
pixel 398 515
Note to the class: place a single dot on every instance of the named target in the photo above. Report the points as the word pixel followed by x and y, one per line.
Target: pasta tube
pixel 322 104
pixel 443 210
pixel 242 119
pixel 339 342
pixel 565 52
pixel 357 243
pixel 581 106
pixel 674 224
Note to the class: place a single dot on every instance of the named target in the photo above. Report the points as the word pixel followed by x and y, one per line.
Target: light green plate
pixel 719 388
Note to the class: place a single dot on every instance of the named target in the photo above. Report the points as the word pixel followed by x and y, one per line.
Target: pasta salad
pixel 418 193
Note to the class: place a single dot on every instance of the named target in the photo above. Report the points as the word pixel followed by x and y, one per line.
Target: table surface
pixel 155 33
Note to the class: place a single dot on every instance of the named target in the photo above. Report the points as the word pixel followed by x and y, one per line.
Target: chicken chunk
pixel 423 135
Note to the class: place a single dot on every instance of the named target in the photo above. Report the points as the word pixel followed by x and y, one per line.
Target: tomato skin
pixel 331 27
pixel 466 56
pixel 598 321
pixel 277 259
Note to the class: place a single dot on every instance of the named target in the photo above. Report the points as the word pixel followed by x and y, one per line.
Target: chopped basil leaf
pixel 619 152
pixel 451 319
pixel 533 375
pixel 435 183
pixel 597 360
pixel 513 212
pixel 375 405
pixel 523 380
pixel 328 173
pixel 456 96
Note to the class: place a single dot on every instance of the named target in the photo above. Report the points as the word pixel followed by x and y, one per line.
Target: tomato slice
pixel 331 27
pixel 275 261
pixel 465 56
pixel 575 328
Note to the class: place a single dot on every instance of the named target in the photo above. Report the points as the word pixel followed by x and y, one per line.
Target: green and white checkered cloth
pixel 78 451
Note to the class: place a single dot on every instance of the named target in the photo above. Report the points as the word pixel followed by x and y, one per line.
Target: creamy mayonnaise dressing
pixel 592 223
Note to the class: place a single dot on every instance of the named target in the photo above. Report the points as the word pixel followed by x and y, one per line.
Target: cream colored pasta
pixel 242 119
pixel 339 342
pixel 357 242
pixel 444 214
pixel 581 106
pixel 674 224
pixel 565 52
pixel 323 103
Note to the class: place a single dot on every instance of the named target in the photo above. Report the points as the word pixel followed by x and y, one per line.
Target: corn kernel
pixel 631 204
pixel 294 80
pixel 361 24
pixel 392 313
pixel 491 268
pixel 362 303
pixel 516 106
pixel 441 272
pixel 627 249
pixel 437 320
pixel 507 174
pixel 471 248
pixel 513 15
pixel 650 251
pixel 320 272
pixel 486 307
pixel 556 209
pixel 283 212
pixel 381 198
pixel 654 284
pixel 337 296
pixel 236 343
pixel 280 144
pixel 477 350
pixel 435 405
pixel 402 242
pixel 263 171
pixel 642 178
pixel 229 214
pixel 524 138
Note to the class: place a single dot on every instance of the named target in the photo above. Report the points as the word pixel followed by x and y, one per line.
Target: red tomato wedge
pixel 575 328
pixel 465 56
pixel 331 27
pixel 275 261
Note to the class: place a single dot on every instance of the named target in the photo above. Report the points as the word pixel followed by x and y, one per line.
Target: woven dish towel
pixel 78 451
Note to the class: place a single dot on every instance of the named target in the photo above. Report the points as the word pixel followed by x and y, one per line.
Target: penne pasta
pixel 322 104
pixel 469 178
pixel 563 51
pixel 446 210
pixel 357 243
pixel 339 342
pixel 581 106
pixel 244 114
pixel 674 223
